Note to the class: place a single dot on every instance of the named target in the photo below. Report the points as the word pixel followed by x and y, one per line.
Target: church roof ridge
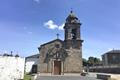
pixel 52 41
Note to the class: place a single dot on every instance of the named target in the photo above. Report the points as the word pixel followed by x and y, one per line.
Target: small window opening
pixel 74 33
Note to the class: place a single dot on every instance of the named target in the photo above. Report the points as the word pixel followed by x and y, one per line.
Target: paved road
pixel 65 78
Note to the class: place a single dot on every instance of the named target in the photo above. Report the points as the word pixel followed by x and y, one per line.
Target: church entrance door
pixel 57 67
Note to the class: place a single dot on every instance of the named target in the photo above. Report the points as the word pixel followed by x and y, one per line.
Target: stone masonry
pixel 58 56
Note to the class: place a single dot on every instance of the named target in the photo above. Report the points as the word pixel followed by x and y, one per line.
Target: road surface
pixel 66 78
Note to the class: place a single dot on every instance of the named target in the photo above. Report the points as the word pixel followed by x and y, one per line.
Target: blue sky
pixel 26 24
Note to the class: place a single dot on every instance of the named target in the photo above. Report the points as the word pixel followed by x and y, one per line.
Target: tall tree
pixel 85 63
pixel 92 61
pixel 97 61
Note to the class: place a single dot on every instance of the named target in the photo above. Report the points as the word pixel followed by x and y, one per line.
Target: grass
pixel 27 77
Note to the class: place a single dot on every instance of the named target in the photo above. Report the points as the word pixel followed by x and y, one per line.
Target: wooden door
pixel 57 67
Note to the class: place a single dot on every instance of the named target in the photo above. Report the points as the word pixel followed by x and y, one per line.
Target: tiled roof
pixel 33 56
pixel 112 52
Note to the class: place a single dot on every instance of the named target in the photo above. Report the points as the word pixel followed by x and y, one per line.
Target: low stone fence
pixel 105 69
pixel 103 76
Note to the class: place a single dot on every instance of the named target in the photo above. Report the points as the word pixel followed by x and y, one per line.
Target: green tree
pixel 93 61
pixel 85 63
pixel 97 61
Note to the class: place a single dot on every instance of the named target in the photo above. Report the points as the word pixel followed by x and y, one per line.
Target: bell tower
pixel 73 44
pixel 72 32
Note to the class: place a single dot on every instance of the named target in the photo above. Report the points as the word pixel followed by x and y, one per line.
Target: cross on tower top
pixel 71 10
pixel 57 35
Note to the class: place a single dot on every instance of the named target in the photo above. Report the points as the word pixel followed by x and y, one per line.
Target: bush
pixel 27 77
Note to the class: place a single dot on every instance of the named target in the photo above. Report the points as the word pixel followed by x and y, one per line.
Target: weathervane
pixel 71 10
pixel 58 35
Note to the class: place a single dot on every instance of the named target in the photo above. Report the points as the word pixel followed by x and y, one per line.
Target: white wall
pixel 11 68
pixel 105 59
pixel 29 63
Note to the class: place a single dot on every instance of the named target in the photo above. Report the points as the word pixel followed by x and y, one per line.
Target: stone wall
pixel 43 66
pixel 106 69
pixel 73 63
pixel 11 68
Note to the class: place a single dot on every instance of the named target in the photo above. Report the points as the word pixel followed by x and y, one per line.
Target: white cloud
pixel 51 25
pixel 61 27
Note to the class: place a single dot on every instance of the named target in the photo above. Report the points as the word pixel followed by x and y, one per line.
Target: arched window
pixel 74 33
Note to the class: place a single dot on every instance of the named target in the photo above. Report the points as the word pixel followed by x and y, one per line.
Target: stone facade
pixel 73 63
pixel 63 56
pixel 45 65
pixel 111 58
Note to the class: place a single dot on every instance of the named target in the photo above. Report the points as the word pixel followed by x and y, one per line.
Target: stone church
pixel 58 57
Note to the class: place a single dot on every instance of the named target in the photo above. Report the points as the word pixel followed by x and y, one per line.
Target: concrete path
pixel 90 76
pixel 65 78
